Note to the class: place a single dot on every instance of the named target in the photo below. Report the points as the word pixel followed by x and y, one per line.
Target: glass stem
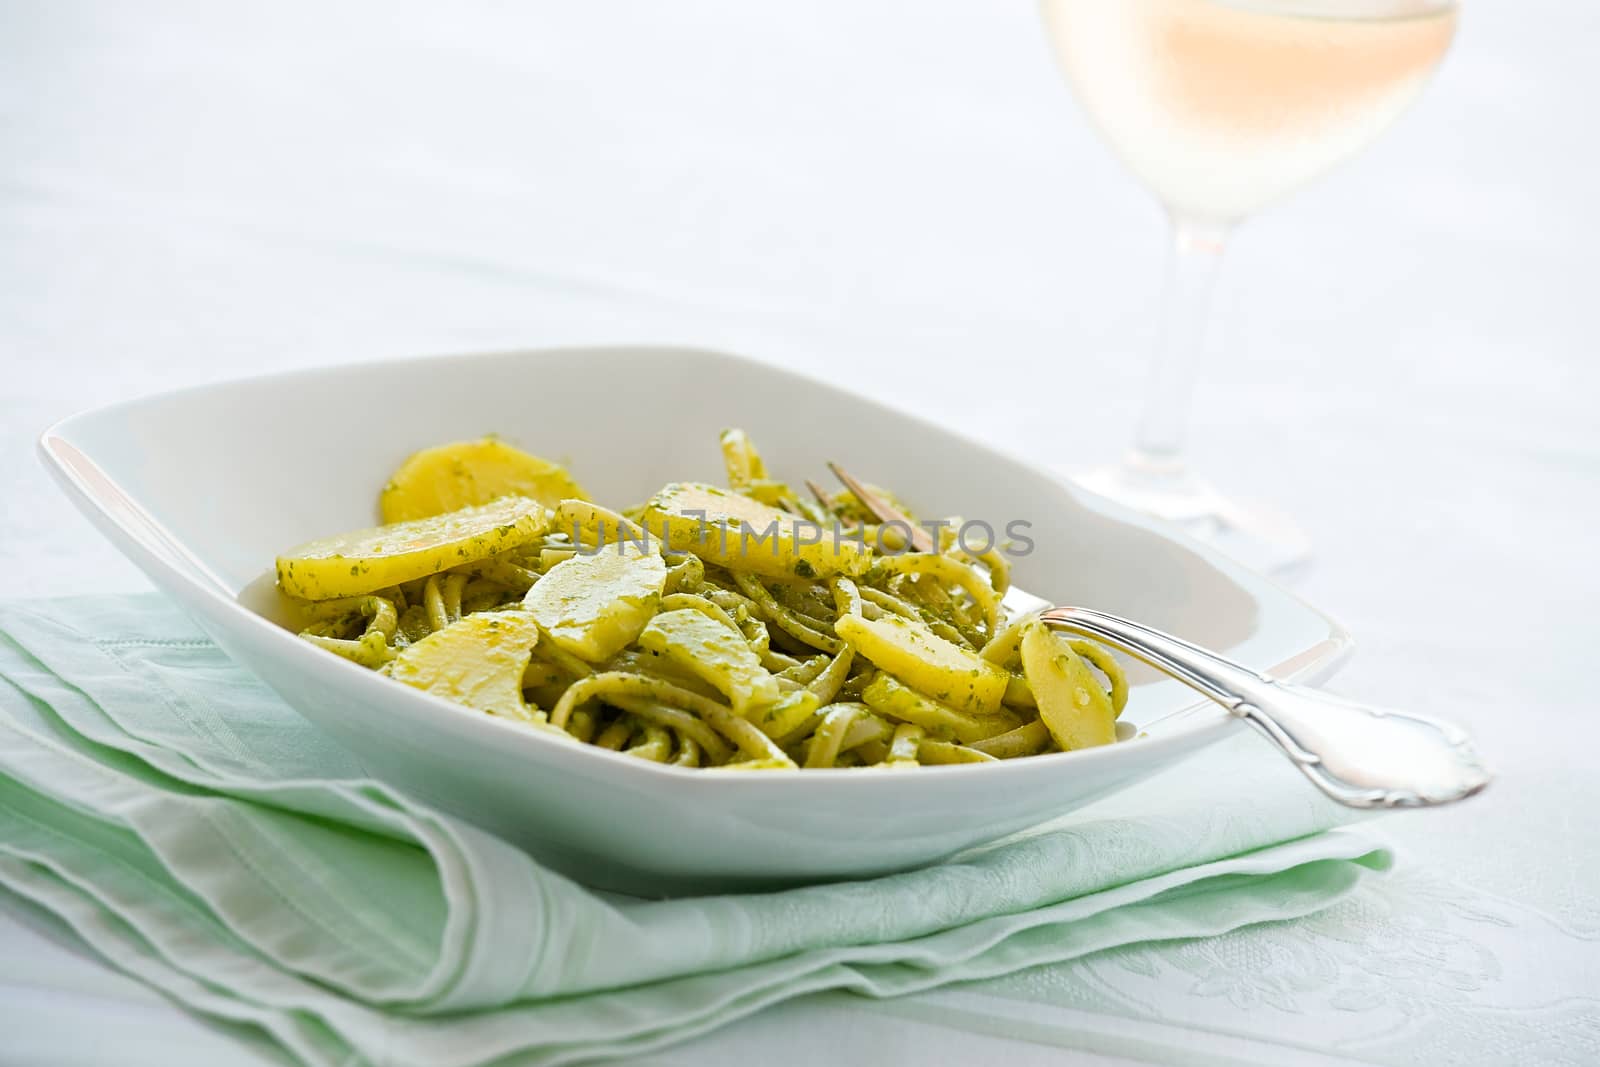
pixel 1192 268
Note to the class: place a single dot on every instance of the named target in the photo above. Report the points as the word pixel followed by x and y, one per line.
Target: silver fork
pixel 1361 755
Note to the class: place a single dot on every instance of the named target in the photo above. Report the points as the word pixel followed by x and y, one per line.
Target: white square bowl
pixel 202 488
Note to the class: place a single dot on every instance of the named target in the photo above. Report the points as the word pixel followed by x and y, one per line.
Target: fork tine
pixel 882 510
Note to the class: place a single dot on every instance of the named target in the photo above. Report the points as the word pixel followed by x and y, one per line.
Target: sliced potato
pixel 469 473
pixel 594 605
pixel 364 561
pixel 891 698
pixel 478 661
pixel 705 647
pixel 926 662
pixel 747 535
pixel 1076 710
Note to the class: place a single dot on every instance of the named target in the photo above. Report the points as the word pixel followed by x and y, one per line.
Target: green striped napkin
pixel 198 834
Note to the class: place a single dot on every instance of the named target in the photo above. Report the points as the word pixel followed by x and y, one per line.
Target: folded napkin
pixel 198 834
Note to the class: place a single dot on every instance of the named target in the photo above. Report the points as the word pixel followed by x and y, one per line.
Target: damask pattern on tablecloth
pixel 1416 968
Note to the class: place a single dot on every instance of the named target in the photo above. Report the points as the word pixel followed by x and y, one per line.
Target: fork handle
pixel 1360 755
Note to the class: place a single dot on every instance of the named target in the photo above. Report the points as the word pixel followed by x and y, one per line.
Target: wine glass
pixel 1220 107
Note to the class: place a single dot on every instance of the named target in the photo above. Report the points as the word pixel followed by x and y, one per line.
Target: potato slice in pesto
pixel 477 661
pixel 364 561
pixel 1076 710
pixel 927 662
pixel 594 604
pixel 707 648
pixel 469 473
pixel 747 535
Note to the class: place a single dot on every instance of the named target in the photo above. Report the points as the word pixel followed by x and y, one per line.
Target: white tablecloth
pixel 894 193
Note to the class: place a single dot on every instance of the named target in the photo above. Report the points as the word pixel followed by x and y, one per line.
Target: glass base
pixel 1257 536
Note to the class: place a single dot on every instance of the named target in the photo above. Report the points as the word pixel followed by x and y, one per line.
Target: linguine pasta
pixel 740 627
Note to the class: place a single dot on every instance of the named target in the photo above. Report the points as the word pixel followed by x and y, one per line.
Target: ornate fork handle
pixel 1360 755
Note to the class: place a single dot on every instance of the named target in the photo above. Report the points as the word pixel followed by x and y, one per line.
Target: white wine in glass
pixel 1220 107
